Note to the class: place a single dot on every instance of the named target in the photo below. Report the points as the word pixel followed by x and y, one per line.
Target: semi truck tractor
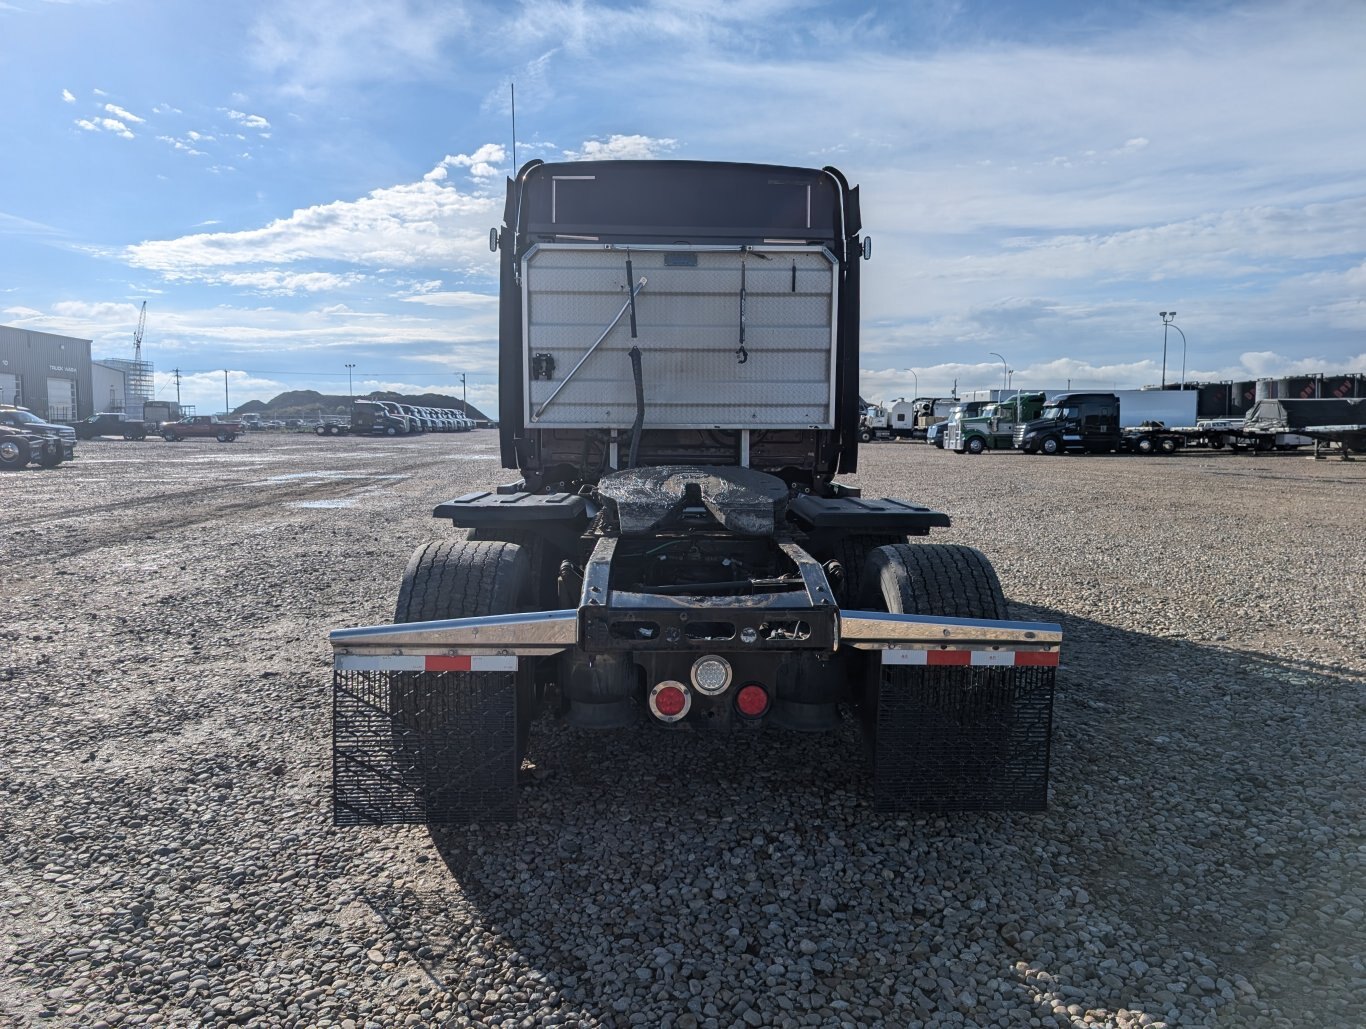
pixel 1094 423
pixel 993 427
pixel 675 550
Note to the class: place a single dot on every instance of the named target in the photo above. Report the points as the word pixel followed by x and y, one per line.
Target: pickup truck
pixel 25 422
pixel 110 423
pixel 18 447
pixel 200 426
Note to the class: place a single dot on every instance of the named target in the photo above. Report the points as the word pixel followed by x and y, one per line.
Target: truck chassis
pixel 678 550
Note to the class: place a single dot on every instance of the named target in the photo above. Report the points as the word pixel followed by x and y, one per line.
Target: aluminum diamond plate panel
pixel 689 316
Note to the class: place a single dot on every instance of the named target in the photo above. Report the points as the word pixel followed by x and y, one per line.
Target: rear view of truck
pixel 678 394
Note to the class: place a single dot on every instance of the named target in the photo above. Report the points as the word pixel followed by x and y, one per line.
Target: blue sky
pixel 297 185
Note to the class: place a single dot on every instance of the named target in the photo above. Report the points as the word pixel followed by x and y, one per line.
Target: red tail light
pixel 670 701
pixel 752 700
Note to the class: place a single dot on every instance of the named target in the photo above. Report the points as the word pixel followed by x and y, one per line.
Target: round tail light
pixel 711 674
pixel 752 700
pixel 670 701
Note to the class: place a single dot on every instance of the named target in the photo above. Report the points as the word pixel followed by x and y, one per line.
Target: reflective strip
pixel 424 663
pixel 960 658
pixel 493 663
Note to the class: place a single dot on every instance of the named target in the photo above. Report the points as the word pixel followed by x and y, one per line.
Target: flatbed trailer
pixel 678 396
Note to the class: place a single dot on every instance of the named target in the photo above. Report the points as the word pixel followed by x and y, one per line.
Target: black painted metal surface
pixel 962 739
pixel 423 747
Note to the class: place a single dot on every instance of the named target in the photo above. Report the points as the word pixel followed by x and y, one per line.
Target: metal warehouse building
pixel 46 373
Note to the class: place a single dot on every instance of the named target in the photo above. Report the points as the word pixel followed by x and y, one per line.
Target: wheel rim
pixel 9 451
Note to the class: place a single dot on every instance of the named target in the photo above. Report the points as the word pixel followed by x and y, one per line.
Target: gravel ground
pixel 164 817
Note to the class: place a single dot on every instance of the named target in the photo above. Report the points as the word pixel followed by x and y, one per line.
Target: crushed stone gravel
pixel 165 836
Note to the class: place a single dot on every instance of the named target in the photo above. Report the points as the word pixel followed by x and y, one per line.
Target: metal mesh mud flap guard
pixel 429 718
pixel 414 747
pixel 958 713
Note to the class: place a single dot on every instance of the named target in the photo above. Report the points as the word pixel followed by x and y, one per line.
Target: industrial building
pixel 48 374
pixel 54 377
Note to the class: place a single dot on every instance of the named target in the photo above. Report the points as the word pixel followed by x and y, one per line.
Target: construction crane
pixel 137 336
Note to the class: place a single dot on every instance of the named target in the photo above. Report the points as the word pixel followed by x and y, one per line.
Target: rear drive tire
pixel 944 579
pixel 1167 445
pixel 469 579
pixel 852 552
pixel 930 747
pixel 1144 445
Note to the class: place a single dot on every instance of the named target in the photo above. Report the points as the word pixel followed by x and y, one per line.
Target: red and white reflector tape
pixel 975 658
pixel 424 663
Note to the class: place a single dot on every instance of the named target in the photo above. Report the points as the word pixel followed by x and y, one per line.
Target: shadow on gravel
pixel 1187 856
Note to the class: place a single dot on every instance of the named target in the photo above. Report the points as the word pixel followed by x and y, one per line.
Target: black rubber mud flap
pixel 959 738
pixel 424 747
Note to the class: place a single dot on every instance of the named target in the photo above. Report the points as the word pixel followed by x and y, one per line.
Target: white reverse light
pixel 711 674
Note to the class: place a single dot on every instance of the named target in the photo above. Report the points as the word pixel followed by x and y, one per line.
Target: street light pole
pixel 1167 318
pixel 349 389
pixel 1183 351
pixel 917 382
pixel 1005 373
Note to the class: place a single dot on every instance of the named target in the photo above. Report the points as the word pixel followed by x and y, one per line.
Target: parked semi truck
pixel 678 395
pixel 1097 423
pixel 993 427
pixel 904 419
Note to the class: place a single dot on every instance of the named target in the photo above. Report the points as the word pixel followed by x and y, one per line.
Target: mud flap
pixel 433 747
pixel 958 737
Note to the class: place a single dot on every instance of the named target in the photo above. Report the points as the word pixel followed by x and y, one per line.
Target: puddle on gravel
pixel 323 503
pixel 331 476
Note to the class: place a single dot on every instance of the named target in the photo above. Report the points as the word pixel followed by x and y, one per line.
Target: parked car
pixel 200 426
pixel 111 423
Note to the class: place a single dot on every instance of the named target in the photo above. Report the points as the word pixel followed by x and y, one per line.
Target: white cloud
pixel 620 148
pixel 123 115
pixel 112 125
pixel 283 283
pixel 414 225
pixel 483 163
pixel 465 301
pixel 310 45
pixel 249 121
pixel 68 97
pixel 180 144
